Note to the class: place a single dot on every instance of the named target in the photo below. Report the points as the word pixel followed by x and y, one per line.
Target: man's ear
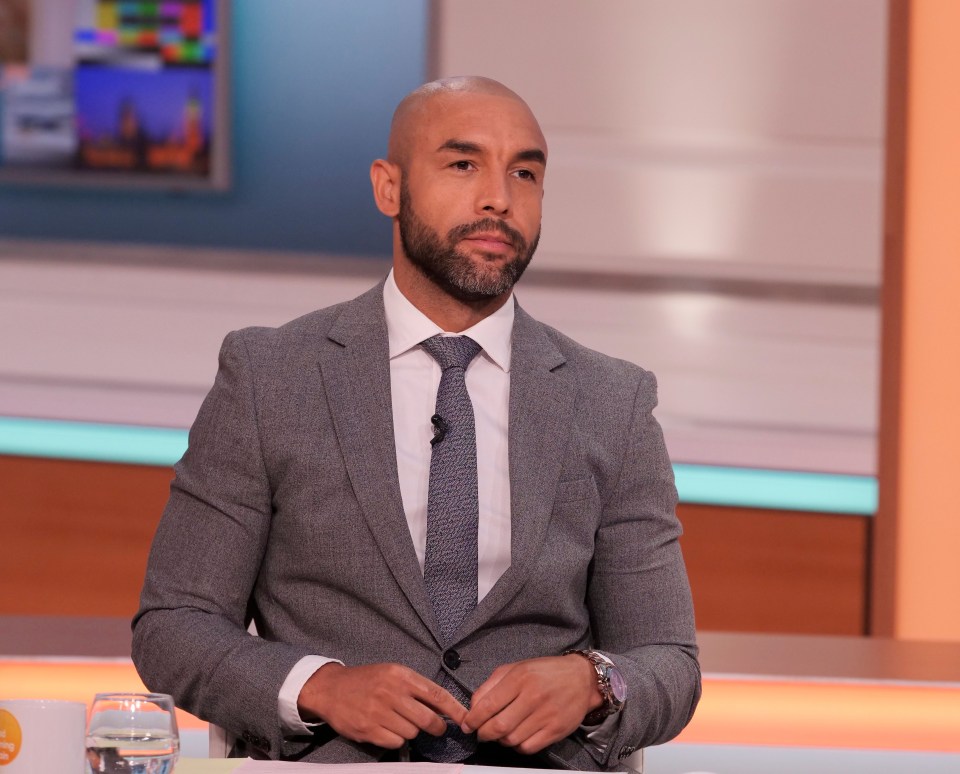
pixel 385 178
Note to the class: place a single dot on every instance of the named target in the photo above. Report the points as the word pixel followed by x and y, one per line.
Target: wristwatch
pixel 613 688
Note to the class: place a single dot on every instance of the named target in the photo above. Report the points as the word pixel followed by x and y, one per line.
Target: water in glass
pixel 132 734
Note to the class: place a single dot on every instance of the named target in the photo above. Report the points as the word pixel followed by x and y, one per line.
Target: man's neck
pixel 451 314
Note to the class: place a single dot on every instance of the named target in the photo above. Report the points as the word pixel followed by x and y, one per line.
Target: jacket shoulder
pixel 309 330
pixel 590 361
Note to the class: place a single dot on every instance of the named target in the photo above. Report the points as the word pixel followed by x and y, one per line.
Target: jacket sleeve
pixel 190 634
pixel 641 611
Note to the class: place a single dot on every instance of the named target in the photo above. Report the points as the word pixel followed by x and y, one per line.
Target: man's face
pixel 455 270
pixel 471 194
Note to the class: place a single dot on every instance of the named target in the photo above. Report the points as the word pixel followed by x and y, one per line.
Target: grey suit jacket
pixel 286 510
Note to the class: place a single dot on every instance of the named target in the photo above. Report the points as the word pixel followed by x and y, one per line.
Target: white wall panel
pixel 741 137
pixel 743 381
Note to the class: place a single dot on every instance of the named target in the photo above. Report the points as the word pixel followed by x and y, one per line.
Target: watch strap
pixel 601 665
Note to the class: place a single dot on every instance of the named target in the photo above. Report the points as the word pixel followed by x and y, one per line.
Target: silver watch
pixel 613 688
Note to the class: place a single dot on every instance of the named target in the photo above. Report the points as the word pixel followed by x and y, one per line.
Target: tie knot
pixel 451 351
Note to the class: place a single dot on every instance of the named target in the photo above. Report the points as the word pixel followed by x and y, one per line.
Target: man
pixel 420 544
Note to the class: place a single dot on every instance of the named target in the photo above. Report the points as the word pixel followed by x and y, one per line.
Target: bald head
pixel 417 108
pixel 463 183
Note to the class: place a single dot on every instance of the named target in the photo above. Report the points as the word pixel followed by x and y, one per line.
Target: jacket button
pixel 452 659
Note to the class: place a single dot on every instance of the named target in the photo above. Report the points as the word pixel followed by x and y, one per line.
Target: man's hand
pixel 531 704
pixel 384 704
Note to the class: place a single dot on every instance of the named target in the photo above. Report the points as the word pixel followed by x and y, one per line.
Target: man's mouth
pixel 489 241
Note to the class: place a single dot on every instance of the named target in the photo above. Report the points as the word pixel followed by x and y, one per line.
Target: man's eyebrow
pixel 461 146
pixel 465 146
pixel 532 154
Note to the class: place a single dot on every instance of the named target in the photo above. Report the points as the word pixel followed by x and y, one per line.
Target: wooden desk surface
pixel 787 656
pixel 799 657
pixel 207 765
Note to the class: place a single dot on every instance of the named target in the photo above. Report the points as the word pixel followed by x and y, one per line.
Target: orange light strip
pixel 732 711
pixel 75 681
pixel 823 714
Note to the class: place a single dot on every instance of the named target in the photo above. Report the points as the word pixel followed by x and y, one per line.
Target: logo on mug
pixel 10 737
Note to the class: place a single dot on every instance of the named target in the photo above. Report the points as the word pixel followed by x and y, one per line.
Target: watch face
pixel 618 686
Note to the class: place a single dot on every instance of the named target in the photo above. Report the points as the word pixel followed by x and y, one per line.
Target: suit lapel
pixel 356 375
pixel 542 396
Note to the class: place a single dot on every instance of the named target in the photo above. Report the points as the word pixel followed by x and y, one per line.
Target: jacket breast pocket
pixel 573 491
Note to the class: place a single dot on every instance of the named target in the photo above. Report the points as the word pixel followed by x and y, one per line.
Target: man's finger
pixel 439 699
pixel 489 699
pixel 490 683
pixel 401 726
pixel 423 717
pixel 386 738
pixel 537 741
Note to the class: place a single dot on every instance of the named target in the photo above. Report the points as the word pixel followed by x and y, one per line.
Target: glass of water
pixel 132 733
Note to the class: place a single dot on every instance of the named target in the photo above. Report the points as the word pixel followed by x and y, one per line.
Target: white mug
pixel 42 736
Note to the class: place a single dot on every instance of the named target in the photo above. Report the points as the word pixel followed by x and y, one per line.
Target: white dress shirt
pixel 414 379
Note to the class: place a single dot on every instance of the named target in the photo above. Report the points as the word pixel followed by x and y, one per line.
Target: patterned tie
pixel 450 559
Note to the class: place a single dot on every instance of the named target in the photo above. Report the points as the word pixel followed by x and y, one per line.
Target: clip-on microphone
pixel 440 428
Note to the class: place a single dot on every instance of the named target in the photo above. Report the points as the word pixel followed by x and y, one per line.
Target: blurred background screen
pixel 114 92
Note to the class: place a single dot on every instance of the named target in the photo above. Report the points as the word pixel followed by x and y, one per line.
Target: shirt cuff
pixel 600 735
pixel 290 721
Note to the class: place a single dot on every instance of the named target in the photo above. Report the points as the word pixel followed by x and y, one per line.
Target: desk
pixel 788 703
pixel 227 765
pixel 207 765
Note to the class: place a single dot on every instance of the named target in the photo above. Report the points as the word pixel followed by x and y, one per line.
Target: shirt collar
pixel 407 326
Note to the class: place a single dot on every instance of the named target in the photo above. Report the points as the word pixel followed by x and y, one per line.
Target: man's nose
pixel 493 196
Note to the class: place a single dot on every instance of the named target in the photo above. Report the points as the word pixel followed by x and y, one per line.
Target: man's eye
pixel 463 166
pixel 525 174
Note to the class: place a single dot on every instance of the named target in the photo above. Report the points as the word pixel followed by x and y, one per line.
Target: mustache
pixel 487 224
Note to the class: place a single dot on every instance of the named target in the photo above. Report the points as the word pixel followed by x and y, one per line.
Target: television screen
pixel 123 91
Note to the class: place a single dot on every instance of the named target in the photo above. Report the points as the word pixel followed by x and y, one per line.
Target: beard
pixel 439 260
